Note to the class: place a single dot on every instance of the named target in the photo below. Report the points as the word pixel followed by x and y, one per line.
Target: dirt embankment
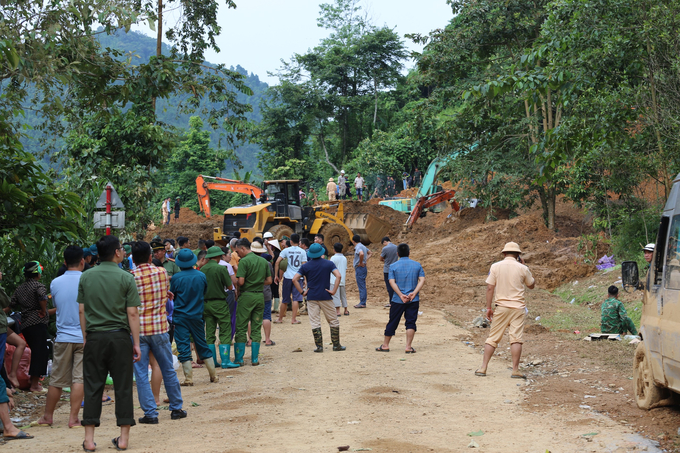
pixel 191 225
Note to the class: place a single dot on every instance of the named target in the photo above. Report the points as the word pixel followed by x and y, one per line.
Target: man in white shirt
pixel 296 257
pixel 359 186
pixel 340 296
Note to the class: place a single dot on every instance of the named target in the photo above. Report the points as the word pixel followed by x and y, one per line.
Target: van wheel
pixel 279 231
pixel 647 393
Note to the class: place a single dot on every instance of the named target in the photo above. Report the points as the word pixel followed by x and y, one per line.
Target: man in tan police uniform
pixel 508 279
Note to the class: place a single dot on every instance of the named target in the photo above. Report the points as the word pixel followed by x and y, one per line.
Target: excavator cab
pixel 284 196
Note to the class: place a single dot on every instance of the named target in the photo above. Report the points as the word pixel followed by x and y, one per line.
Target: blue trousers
pixel 410 313
pixel 160 346
pixel 360 274
pixel 3 342
pixel 390 291
pixel 184 327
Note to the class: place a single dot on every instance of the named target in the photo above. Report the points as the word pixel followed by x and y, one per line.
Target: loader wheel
pixel 279 231
pixel 647 393
pixel 333 233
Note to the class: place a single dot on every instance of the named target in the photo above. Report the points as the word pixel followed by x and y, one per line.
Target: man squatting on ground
pixel 189 287
pixel 507 281
pixel 407 278
pixel 109 315
pixel 153 284
pixel 319 297
pixel 614 318
pixel 253 273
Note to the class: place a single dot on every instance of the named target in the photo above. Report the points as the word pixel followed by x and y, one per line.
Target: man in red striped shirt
pixel 153 285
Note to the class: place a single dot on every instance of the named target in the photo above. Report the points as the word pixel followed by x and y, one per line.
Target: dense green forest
pixel 142 48
pixel 529 101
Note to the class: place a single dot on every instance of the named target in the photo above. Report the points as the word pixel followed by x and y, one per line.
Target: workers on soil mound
pixel 506 285
pixel 188 287
pixel 614 316
pixel 317 272
pixel 407 278
pixel 177 207
pixel 253 273
pixel 359 186
pixel 165 211
pixel 216 311
pixel 331 188
pixel 342 185
pixel 153 284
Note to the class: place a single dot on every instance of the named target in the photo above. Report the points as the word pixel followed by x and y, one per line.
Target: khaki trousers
pixel 314 309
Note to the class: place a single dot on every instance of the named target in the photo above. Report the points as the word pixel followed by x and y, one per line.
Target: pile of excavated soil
pixel 395 218
pixel 191 225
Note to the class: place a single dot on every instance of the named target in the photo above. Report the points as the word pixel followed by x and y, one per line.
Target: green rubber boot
pixel 335 338
pixel 239 351
pixel 214 353
pixel 225 352
pixel 318 339
pixel 254 353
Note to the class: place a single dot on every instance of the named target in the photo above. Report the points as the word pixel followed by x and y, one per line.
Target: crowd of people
pixel 341 189
pixel 119 308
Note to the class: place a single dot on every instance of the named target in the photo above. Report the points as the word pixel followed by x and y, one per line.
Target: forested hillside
pixel 141 48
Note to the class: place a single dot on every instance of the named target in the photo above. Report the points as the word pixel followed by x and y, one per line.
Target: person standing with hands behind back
pixel 507 283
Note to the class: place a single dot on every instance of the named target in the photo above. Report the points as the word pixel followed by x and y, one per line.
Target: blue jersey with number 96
pixel 296 257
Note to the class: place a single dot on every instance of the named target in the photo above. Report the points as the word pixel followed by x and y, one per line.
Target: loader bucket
pixel 371 228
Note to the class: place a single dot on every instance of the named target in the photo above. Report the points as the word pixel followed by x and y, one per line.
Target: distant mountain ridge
pixel 145 47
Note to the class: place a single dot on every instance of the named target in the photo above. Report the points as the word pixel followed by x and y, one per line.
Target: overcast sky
pixel 259 33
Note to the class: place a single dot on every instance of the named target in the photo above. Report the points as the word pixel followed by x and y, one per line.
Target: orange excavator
pixel 429 201
pixel 203 188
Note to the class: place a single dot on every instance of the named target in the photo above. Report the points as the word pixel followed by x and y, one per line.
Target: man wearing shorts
pixel 67 369
pixel 508 279
pixel 407 279
pixel 296 257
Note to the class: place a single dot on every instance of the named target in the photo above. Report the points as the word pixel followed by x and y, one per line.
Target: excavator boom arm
pixel 429 201
pixel 203 188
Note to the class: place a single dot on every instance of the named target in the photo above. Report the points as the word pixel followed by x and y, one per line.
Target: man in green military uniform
pixel 216 308
pixel 253 273
pixel 159 254
pixel 614 316
pixel 109 316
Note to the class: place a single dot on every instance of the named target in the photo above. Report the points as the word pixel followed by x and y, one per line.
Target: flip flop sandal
pixel 276 321
pixel 296 322
pixel 270 344
pixel 381 349
pixel 412 351
pixel 114 441
pixel 21 436
pixel 479 373
pixel 87 449
pixel 518 376
pixel 346 314
pixel 360 306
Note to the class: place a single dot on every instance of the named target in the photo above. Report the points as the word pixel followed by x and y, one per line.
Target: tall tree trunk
pixel 375 92
pixel 551 200
pixel 159 43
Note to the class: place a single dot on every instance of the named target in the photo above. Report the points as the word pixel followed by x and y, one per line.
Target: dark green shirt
pixel 218 280
pixel 4 303
pixel 614 316
pixel 106 292
pixel 255 271
pixel 171 267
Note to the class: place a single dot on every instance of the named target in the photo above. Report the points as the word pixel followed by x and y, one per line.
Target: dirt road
pixel 386 402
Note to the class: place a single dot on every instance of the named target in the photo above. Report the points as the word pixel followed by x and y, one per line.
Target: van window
pixel 673 256
pixel 660 250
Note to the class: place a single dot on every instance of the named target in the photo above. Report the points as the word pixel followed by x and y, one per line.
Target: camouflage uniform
pixel 615 319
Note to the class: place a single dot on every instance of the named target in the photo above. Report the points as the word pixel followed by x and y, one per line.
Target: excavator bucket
pixel 371 228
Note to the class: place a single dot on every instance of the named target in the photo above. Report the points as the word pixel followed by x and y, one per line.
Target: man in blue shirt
pixel 361 256
pixel 189 287
pixel 67 370
pixel 318 272
pixel 407 279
